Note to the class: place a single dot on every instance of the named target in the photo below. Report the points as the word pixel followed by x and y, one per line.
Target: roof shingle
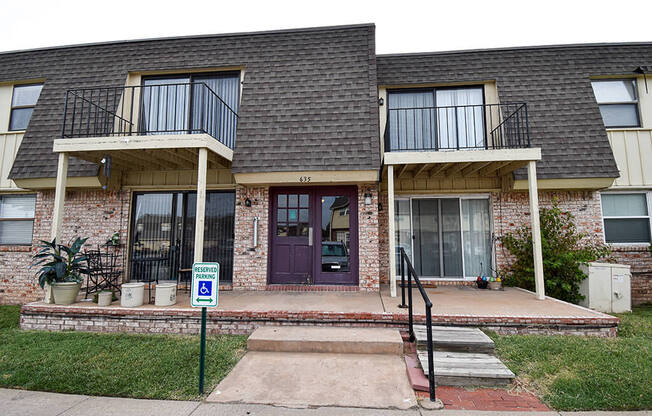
pixel 308 99
pixel 555 83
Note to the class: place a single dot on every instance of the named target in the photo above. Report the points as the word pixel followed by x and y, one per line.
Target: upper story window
pixel 433 119
pixel 23 102
pixel 197 103
pixel 626 217
pixel 17 219
pixel 618 102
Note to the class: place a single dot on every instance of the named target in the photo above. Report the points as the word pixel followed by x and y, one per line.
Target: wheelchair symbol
pixel 205 288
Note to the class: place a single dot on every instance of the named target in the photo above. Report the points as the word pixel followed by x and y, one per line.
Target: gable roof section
pixel 554 81
pixel 308 100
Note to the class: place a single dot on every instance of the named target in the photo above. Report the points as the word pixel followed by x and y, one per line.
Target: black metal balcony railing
pixel 184 108
pixel 485 126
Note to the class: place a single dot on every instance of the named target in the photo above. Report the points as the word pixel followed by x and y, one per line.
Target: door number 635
pixel 304 179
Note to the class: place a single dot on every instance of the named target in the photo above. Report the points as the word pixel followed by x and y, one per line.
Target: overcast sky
pixel 401 25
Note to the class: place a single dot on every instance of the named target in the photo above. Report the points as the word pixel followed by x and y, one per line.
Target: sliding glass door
pixel 171 106
pixel 163 234
pixel 450 237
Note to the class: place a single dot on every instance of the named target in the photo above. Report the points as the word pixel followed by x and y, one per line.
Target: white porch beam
pixel 59 197
pixel 391 231
pixel 201 204
pixel 536 230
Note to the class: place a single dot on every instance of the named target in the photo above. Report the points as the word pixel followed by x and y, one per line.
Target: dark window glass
pixel 626 218
pixel 627 230
pixel 23 101
pixel 163 234
pixel 20 118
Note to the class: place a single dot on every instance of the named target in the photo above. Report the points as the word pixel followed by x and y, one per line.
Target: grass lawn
pixel 586 373
pixel 124 365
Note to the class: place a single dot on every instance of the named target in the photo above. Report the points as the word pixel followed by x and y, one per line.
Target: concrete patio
pixel 511 310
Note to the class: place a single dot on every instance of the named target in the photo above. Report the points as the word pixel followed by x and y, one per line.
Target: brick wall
pixel 93 214
pixel 640 260
pixel 512 210
pixel 250 263
pixel 369 269
pixel 187 321
pixel 383 238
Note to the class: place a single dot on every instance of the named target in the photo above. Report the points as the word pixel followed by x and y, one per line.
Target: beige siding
pixel 9 144
pixel 443 184
pixel 632 149
pixel 178 179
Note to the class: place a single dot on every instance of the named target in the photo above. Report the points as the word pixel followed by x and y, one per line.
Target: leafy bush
pixel 60 263
pixel 564 249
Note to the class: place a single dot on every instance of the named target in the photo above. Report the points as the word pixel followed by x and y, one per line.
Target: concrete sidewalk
pixel 35 403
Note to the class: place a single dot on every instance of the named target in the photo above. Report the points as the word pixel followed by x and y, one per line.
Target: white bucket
pixel 133 294
pixel 166 294
pixel 104 298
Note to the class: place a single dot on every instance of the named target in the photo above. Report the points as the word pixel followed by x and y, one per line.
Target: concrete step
pixel 467 369
pixel 449 338
pixel 317 339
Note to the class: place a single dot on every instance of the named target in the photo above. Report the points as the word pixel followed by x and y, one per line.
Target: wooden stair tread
pixel 455 337
pixel 461 364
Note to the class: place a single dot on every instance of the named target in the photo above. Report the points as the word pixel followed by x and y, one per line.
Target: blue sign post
pixel 204 291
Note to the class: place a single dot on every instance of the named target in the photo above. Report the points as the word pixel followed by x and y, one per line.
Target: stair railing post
pixel 401 257
pixel 431 358
pixel 409 279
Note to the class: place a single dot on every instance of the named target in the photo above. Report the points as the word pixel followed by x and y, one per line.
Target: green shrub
pixel 564 249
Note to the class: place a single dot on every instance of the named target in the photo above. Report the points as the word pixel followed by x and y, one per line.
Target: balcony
pixel 466 140
pixel 159 127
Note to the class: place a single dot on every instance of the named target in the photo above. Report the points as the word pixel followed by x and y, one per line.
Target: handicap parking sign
pixel 205 280
pixel 205 287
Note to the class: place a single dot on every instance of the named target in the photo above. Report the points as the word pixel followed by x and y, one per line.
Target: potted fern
pixel 62 267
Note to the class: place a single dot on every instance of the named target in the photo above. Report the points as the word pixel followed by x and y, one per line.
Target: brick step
pixel 460 339
pixel 466 369
pixel 326 340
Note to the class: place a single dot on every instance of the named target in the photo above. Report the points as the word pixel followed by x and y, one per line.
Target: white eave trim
pixel 462 156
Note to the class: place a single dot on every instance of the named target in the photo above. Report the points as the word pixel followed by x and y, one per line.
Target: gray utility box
pixel 607 287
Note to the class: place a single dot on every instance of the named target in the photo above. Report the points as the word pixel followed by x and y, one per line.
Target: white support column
pixel 536 230
pixel 391 231
pixel 201 204
pixel 59 197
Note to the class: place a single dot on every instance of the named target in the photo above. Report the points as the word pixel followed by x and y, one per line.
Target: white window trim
pixel 648 200
pixel 410 197
pixel 32 219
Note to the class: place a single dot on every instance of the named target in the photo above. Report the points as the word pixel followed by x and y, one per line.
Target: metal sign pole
pixel 202 351
pixel 205 288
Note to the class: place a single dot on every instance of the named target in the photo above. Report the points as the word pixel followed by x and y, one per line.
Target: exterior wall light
pixel 367 199
pixel 381 101
pixel 247 202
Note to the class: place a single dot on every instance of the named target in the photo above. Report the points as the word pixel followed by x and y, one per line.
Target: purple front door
pixel 313 236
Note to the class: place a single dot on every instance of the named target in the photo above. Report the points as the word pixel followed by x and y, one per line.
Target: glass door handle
pixel 310 236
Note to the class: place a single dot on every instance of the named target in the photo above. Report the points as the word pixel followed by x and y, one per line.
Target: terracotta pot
pixel 65 293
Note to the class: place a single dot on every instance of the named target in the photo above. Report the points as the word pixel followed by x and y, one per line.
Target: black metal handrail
pixel 177 108
pixel 411 274
pixel 459 127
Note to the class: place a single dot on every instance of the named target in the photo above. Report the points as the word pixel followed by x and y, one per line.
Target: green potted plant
pixel 62 267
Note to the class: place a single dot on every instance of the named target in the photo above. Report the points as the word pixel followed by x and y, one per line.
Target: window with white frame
pixel 23 102
pixel 445 237
pixel 618 102
pixel 626 217
pixel 17 219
